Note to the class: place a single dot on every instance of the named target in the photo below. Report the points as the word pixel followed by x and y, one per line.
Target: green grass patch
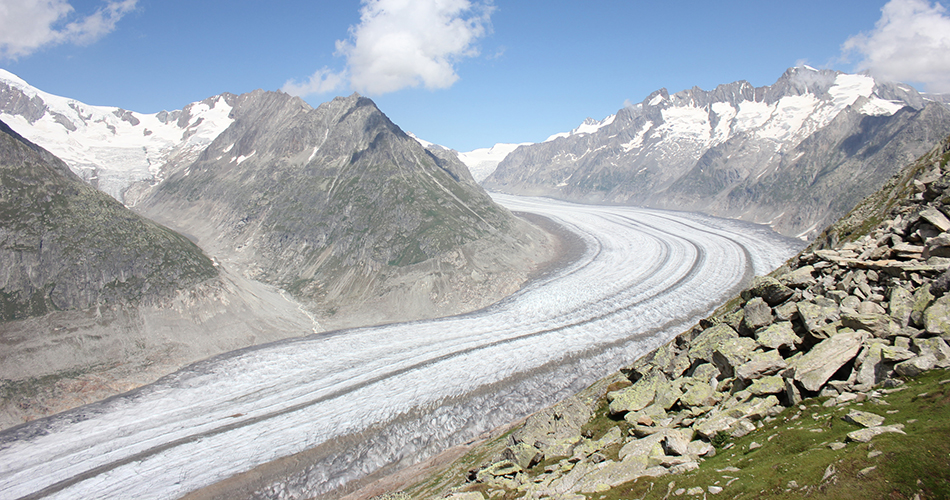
pixel 795 447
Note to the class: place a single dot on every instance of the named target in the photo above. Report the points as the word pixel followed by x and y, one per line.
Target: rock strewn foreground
pixel 839 322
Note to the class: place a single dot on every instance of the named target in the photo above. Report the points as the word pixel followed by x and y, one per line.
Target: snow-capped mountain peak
pixel 589 126
pixel 108 146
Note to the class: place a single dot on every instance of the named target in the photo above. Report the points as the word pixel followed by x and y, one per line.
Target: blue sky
pixel 505 71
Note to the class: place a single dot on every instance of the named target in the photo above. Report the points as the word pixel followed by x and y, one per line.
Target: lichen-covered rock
pixel 936 318
pixel 779 335
pixel 936 347
pixel 879 325
pixel 801 277
pixel 865 435
pixel 916 365
pixel 863 418
pixel 760 364
pixel 732 353
pixel 818 365
pixel 869 366
pixel 756 314
pixel 698 393
pixel 554 430
pixel 703 346
pixel 769 289
pixel 523 454
pixel 764 386
pixel 818 313
pixel 636 397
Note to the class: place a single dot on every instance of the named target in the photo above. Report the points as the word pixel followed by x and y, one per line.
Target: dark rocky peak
pixel 798 81
pixel 15 102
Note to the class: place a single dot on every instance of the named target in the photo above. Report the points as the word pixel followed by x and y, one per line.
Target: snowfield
pixel 375 396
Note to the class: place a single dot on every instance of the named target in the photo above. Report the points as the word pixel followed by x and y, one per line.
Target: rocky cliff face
pixel 341 208
pixel 796 155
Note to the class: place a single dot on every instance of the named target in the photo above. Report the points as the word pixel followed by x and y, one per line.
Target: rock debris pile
pixel 844 322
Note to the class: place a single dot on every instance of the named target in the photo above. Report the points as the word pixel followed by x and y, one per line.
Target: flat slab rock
pixel 864 419
pixel 865 435
pixel 818 365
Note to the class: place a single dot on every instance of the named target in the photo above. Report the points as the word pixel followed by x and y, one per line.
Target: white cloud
pixel 910 43
pixel 408 43
pixel 28 25
pixel 321 82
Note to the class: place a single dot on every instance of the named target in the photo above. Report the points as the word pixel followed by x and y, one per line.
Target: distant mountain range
pixel 795 155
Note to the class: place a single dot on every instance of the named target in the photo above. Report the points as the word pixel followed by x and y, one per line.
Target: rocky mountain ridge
pixel 342 209
pixel 859 312
pixel 795 155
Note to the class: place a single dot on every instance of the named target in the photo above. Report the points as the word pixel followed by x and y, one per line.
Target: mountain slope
pixel 66 245
pixel 341 208
pixel 95 300
pixel 739 151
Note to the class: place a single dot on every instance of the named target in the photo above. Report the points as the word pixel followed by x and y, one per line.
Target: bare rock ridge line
pixel 849 318
pixel 342 209
pixel 795 155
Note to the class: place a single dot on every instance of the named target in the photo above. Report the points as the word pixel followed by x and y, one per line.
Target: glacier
pixel 348 403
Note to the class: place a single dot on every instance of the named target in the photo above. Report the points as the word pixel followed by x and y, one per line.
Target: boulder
pixel 935 217
pixel 702 347
pixel 779 335
pixel 732 353
pixel 646 447
pixel 523 454
pixel 701 449
pixel 817 314
pixel 705 372
pixel 554 430
pixel 764 386
pixel 936 347
pixel 667 358
pixel 814 368
pixel 799 278
pixel 756 314
pixel 896 354
pixel 936 318
pixel 879 325
pixel 636 397
pixel 674 444
pixel 869 367
pixel 922 300
pixel 916 365
pixel 760 364
pixel 698 394
pixel 865 435
pixel 938 246
pixel 768 289
pixel 786 312
pixel 863 418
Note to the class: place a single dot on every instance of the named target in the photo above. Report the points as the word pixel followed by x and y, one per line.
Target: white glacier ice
pixel 406 390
